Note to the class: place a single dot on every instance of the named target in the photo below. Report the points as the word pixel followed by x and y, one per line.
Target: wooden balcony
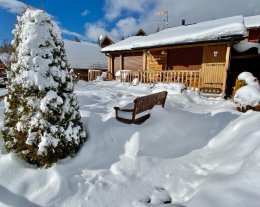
pixel 188 77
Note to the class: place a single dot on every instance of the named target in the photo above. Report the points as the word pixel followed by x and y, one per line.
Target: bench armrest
pixel 125 110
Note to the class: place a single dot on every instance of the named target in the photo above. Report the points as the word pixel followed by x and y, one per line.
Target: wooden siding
pixel 185 58
pixel 156 61
pixel 214 67
pixel 2 68
pixel 117 64
pixel 133 61
pixel 106 42
pixel 254 35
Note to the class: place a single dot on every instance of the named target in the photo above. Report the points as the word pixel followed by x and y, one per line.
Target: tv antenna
pixel 165 14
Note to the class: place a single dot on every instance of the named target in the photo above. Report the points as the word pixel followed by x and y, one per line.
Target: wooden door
pixel 214 68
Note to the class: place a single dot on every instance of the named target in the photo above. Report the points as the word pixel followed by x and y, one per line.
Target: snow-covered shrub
pixel 247 92
pixel 245 78
pixel 249 79
pixel 42 121
pixel 247 97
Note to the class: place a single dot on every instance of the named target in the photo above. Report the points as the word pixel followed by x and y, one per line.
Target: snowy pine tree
pixel 42 121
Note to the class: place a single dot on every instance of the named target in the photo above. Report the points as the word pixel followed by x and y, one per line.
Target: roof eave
pixel 222 39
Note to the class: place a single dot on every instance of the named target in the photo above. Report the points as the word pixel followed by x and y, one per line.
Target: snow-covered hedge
pixel 42 121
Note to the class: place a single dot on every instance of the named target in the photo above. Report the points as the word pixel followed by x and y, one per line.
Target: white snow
pixel 248 95
pixel 194 152
pixel 84 55
pixel 3 91
pixel 252 21
pixel 204 31
pixel 249 79
pixel 244 46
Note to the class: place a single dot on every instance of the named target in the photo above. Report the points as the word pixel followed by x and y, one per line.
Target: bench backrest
pixel 147 102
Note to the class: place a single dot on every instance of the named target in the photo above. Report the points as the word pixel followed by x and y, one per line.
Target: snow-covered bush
pixel 42 121
pixel 247 96
pixel 245 78
pixel 249 79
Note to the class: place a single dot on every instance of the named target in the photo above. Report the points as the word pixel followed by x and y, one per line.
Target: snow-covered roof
pixel 126 44
pixel 252 21
pixel 244 46
pixel 114 40
pixel 84 54
pixel 200 32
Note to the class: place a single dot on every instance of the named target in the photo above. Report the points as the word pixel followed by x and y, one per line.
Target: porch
pixel 190 78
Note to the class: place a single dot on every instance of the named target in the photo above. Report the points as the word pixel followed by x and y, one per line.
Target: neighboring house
pixel 83 57
pixel 4 62
pixel 2 68
pixel 106 41
pixel 253 27
pixel 198 55
pixel 140 32
pixel 246 54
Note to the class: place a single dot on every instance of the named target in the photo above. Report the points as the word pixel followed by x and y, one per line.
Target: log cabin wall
pixel 81 73
pixel 2 68
pixel 157 60
pixel 189 58
pixel 133 61
pixel 254 35
pixel 106 42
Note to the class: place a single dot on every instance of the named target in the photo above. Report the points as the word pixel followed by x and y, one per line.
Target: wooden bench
pixel 138 111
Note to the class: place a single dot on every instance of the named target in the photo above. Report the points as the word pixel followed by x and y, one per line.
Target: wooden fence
pixel 191 78
pixel 92 74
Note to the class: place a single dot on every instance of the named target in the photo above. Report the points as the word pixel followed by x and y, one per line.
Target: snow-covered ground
pixel 195 152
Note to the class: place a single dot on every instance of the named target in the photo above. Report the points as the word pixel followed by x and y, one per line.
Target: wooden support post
pixel 226 71
pixel 144 60
pixel 113 67
pixel 121 62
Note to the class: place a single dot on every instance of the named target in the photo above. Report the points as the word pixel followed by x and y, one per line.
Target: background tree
pixel 76 39
pixel 42 121
pixel 5 52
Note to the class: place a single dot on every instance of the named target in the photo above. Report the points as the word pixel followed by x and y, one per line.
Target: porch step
pixel 211 92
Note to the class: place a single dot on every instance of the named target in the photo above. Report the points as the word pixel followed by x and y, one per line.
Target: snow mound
pixel 249 79
pixel 247 96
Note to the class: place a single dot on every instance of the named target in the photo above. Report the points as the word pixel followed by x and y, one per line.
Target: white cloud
pixel 85 12
pixel 93 31
pixel 13 6
pixel 71 33
pixel 114 8
pixel 123 28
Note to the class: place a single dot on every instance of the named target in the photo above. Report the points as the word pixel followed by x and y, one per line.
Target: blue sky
pixel 88 19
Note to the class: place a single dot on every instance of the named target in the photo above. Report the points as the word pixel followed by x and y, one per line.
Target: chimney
pixel 183 22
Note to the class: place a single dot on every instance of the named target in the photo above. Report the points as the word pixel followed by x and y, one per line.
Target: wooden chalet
pixel 106 41
pixel 197 55
pixel 246 54
pixel 140 32
pixel 85 59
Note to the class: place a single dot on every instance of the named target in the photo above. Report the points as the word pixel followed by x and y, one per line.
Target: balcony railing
pixel 191 78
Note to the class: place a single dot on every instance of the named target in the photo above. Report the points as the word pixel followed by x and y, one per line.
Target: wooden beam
pixel 144 59
pixel 121 61
pixel 226 71
pixel 113 66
